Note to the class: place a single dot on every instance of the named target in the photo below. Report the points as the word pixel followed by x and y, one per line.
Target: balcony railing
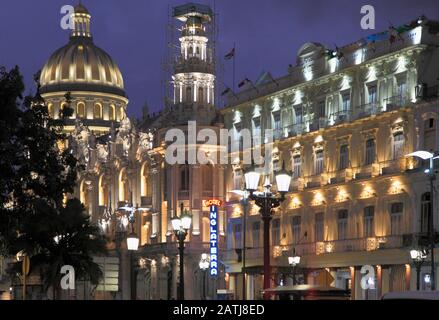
pixel 320 248
pixel 395 102
pixel 340 117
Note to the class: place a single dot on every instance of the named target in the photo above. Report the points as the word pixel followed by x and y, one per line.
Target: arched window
pixel 112 113
pixel 184 177
pixel 144 180
pixel 80 110
pixel 425 212
pixel 97 111
pixel 188 94
pixel 122 113
pixel 123 186
pixel 50 110
pixel 200 95
pixel 103 192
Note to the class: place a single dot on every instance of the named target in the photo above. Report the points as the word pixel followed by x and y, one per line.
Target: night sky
pixel 268 34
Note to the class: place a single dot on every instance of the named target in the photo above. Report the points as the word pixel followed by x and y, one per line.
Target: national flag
pixel 243 82
pixel 230 55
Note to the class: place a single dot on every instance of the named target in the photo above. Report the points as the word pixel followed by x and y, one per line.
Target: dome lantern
pixel 81 20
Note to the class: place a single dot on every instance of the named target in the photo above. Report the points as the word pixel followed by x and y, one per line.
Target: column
pixel 250 293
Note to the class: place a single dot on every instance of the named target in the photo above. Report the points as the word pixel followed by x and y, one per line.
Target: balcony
pixel 395 102
pixel 295 129
pixel 320 248
pixel 367 110
pixel 340 117
pixel 317 124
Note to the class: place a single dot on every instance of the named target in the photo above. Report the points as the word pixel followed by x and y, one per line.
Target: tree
pixel 41 172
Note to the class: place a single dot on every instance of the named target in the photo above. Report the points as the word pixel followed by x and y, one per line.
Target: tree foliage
pixel 37 173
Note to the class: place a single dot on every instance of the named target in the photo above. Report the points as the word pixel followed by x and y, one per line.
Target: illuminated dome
pixel 81 65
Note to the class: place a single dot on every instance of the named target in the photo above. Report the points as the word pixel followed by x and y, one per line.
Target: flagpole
pixel 234 57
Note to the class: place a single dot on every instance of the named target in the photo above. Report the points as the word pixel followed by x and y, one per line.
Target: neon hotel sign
pixel 213 216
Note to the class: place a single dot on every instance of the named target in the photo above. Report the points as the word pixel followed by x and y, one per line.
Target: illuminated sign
pixel 213 237
pixel 212 202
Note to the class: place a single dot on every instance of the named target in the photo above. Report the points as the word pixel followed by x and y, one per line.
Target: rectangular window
pixel 319 227
pixel 344 157
pixel 296 228
pixel 275 239
pixel 237 231
pixel 277 130
pixel 372 90
pixel 342 224
pixel 237 143
pixel 255 234
pixel 368 226
pixel 257 131
pixel 318 162
pixel 398 145
pixel 297 166
pixel 346 101
pixel 370 152
pixel 298 115
pixel 321 109
pixel 396 210
pixel 401 89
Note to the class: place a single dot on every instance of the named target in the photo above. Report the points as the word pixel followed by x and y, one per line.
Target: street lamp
pixel 425 155
pixel 418 257
pixel 267 201
pixel 244 202
pixel 294 261
pixel 132 245
pixel 181 226
pixel 204 265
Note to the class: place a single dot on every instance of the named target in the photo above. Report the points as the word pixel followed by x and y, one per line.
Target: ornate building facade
pixel 127 183
pixel 343 122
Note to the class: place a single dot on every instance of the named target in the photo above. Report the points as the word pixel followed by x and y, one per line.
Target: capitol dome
pixel 89 74
pixel 81 65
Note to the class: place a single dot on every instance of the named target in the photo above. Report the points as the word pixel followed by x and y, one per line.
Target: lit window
pixel 370 152
pixel 297 166
pixel 396 210
pixel 342 224
pixel 296 224
pixel 318 162
pixel 97 111
pixel 80 110
pixel 344 157
pixel 368 226
pixel 398 145
pixel 112 113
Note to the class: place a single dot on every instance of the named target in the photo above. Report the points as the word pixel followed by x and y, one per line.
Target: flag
pixel 243 82
pixel 230 55
pixel 225 91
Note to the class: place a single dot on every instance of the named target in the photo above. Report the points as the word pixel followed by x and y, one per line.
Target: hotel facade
pixel 343 122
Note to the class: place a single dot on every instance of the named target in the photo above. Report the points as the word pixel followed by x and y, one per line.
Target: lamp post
pixel 267 201
pixel 181 226
pixel 244 202
pixel 294 261
pixel 204 265
pixel 418 257
pixel 132 245
pixel 425 155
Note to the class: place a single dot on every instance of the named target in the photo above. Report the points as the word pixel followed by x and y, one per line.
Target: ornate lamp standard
pixel 267 201
pixel 425 155
pixel 132 245
pixel 418 257
pixel 181 226
pixel 294 261
pixel 204 265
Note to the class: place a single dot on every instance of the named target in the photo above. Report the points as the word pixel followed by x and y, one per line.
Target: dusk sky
pixel 268 34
